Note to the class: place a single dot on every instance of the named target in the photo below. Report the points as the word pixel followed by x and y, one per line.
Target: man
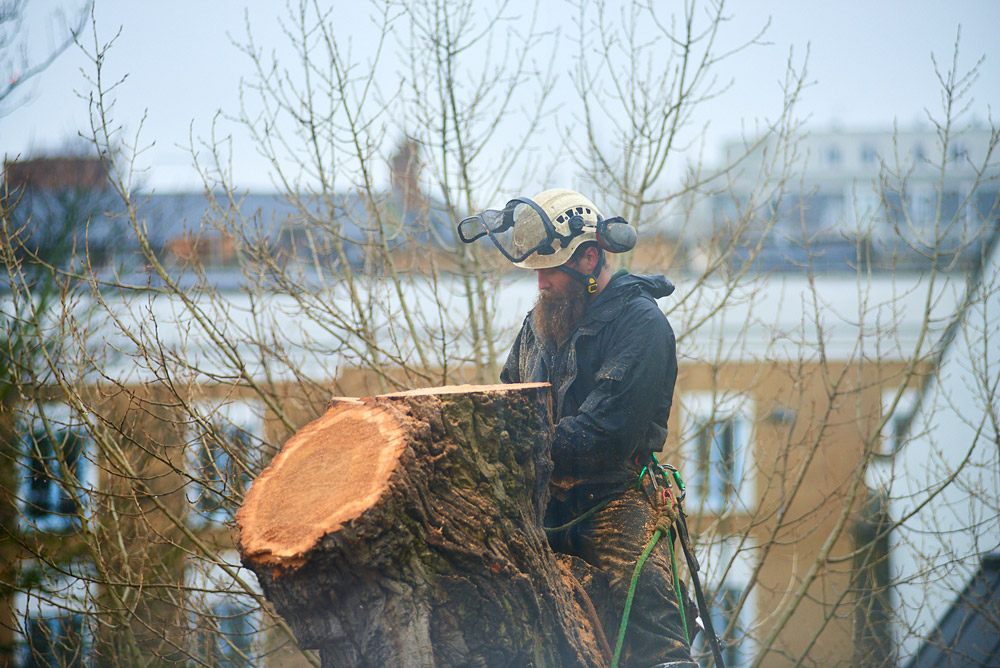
pixel 609 354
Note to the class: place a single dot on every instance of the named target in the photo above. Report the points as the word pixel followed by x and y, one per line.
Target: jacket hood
pixel 622 288
pixel 655 285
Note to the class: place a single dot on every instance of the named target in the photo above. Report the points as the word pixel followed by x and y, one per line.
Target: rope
pixel 661 529
pixel 576 520
pixel 631 594
pixel 664 529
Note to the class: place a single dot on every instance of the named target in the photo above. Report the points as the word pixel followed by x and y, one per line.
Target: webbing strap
pixel 693 567
pixel 588 280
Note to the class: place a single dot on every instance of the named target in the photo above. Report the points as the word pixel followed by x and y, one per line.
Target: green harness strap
pixel 680 595
pixel 657 534
pixel 631 594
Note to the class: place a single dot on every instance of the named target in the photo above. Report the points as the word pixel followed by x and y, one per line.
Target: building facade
pixel 148 394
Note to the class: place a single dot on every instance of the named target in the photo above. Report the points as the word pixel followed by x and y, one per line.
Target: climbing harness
pixel 662 495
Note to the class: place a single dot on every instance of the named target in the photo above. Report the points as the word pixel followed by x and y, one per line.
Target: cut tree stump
pixel 406 530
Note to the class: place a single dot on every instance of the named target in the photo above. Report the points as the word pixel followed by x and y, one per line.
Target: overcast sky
pixel 869 59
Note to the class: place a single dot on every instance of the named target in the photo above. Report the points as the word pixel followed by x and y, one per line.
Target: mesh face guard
pixel 525 234
pixel 519 230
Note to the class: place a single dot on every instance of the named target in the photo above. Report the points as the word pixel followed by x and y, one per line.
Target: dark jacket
pixel 612 383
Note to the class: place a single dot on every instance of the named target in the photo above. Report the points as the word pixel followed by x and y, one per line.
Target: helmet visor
pixel 520 229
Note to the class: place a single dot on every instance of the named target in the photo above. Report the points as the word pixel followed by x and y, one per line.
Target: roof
pixel 94 224
pixel 968 635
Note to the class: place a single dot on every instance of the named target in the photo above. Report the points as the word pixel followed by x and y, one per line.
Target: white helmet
pixel 544 231
pixel 560 206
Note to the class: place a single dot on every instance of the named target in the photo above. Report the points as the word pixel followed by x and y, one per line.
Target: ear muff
pixel 615 235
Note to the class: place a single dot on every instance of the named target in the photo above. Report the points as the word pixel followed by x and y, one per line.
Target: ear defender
pixel 615 235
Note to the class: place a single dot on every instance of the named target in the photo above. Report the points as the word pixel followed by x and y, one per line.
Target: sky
pixel 869 67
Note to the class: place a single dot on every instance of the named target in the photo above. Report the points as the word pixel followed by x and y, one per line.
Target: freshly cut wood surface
pixel 463 389
pixel 329 473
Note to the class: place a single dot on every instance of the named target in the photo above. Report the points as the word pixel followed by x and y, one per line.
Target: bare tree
pixel 147 395
pixel 18 65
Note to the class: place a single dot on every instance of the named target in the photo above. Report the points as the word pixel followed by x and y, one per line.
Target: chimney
pixel 406 175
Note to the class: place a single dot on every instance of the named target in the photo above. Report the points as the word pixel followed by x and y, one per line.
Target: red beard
pixel 556 313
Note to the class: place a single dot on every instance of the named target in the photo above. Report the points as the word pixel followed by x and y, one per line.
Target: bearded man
pixel 608 351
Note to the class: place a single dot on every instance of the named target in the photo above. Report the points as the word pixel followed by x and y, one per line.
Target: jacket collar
pixel 621 289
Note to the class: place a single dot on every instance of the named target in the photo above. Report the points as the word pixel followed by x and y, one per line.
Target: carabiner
pixel 681 487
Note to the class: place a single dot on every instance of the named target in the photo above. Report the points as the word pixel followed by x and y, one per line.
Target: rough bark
pixel 406 530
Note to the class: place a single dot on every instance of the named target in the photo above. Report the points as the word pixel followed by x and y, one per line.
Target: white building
pixel 942 480
pixel 899 196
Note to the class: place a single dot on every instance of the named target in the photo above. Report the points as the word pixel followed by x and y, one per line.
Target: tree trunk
pixel 406 530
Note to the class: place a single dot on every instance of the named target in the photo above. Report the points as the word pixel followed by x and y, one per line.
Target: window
pixel 223 456
pixel 716 456
pixel 951 208
pixel 867 204
pixel 986 208
pixel 893 204
pixel 54 640
pixel 731 624
pixel 226 634
pixel 223 618
pixel 56 471
pixel 727 211
pixel 868 154
pixel 717 441
pixel 827 210
pixel 894 432
pixel 52 620
pixel 723 611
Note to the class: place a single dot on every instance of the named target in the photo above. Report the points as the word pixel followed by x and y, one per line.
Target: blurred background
pixel 216 216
